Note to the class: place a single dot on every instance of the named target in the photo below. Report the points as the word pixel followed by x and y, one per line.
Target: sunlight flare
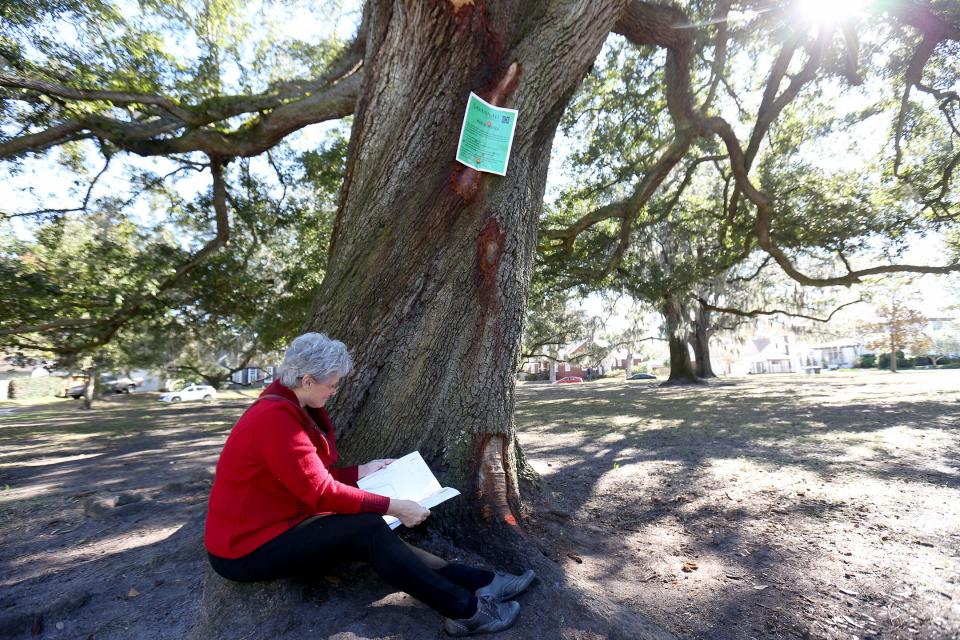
pixel 831 11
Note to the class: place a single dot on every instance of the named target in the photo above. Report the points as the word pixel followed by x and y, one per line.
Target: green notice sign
pixel 486 136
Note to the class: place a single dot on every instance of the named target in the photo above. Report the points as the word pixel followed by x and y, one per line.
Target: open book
pixel 407 478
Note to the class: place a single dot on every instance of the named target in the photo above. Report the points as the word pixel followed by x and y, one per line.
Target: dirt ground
pixel 766 507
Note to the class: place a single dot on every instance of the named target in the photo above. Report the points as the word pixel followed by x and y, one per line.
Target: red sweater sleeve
pixel 346 475
pixel 293 460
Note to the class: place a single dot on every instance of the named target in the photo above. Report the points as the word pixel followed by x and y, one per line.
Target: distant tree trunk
pixel 700 341
pixel 893 352
pixel 90 391
pixel 430 262
pixel 629 364
pixel 553 364
pixel 681 369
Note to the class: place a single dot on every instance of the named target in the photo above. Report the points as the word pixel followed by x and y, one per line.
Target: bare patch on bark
pixel 490 243
pixel 460 4
pixel 493 482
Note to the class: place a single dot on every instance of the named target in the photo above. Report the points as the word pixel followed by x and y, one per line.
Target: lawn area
pixel 822 506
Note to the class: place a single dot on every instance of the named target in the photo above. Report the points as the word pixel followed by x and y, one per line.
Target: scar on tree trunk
pixel 496 492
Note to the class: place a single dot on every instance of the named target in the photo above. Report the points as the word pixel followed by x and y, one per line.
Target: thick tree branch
pixel 290 108
pixel 44 87
pixel 34 142
pixel 765 211
pixel 253 138
pixel 65 323
pixel 771 312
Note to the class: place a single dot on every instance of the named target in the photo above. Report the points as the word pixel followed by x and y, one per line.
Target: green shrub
pixel 902 362
pixel 867 361
pixel 28 388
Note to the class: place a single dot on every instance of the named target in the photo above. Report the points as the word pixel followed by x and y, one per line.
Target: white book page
pixel 407 478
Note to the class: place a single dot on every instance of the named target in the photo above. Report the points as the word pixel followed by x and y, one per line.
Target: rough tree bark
pixel 681 369
pixel 430 261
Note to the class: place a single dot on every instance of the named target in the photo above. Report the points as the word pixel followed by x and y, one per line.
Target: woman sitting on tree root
pixel 280 509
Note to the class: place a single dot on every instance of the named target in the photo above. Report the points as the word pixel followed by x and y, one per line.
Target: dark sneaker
pixel 506 586
pixel 491 616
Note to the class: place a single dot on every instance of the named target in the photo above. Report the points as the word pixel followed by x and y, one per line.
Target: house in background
pixel 583 358
pixel 842 353
pixel 254 376
pixel 767 355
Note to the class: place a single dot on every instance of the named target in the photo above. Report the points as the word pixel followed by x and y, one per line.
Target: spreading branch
pixel 166 127
pixel 772 312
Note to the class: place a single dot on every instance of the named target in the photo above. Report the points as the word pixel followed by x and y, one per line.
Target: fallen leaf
pixel 849 593
pixel 734 576
pixel 760 587
pixel 689 566
pixel 575 558
pixel 332 579
pixel 133 593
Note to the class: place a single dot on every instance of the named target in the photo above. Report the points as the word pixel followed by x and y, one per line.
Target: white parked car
pixel 191 392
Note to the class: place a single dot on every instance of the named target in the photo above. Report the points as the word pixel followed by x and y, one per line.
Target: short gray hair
pixel 316 355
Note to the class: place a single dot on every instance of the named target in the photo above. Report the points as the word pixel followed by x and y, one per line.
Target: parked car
pixel 107 384
pixel 642 376
pixel 76 391
pixel 191 392
pixel 121 385
pixel 569 380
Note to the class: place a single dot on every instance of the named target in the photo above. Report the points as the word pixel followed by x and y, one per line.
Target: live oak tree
pixel 825 214
pixel 429 262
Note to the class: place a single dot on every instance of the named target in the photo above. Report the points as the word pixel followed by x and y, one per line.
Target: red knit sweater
pixel 276 469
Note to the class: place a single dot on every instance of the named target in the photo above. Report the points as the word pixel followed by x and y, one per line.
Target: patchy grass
pixel 764 507
pixel 822 506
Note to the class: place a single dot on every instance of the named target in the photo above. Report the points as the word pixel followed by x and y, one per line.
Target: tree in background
pixel 899 326
pixel 943 344
pixel 552 322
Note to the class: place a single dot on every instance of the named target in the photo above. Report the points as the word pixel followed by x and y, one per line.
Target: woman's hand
pixel 409 512
pixel 374 465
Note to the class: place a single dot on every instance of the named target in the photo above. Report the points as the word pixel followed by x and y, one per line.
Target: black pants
pixel 316 543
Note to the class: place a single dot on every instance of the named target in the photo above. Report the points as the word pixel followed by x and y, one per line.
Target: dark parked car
pixel 642 376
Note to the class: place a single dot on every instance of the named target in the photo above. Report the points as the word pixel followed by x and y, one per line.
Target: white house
pixel 835 354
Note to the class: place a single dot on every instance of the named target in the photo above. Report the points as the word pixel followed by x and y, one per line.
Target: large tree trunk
pixel 681 369
pixel 700 341
pixel 430 262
